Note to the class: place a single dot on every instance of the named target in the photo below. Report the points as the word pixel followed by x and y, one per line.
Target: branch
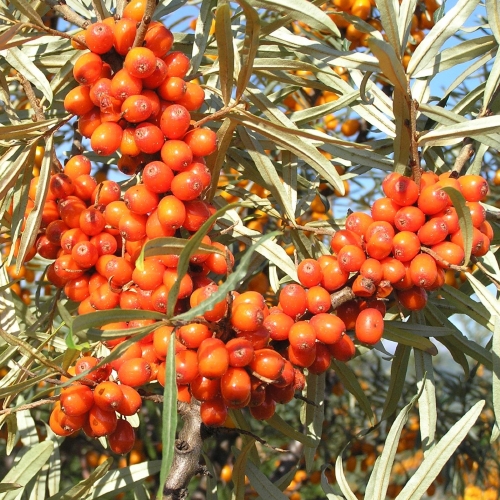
pixel 344 295
pixel 67 13
pixel 34 102
pixel 188 447
pixel 143 26
pixel 120 5
pixel 445 263
pixel 99 10
pixel 29 406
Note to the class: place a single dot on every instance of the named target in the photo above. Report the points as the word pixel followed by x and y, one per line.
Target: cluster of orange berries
pixel 138 102
pixel 410 238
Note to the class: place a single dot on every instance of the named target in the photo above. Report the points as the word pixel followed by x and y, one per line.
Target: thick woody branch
pixel 188 447
pixel 67 13
pixel 344 295
pixel 466 153
pixel 146 20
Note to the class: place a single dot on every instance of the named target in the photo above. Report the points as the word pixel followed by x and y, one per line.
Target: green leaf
pixel 464 219
pixel 390 62
pixel 12 163
pixel 389 20
pixel 342 481
pixel 314 415
pixel 484 295
pixel 81 489
pixel 395 334
pixel 262 485
pixel 286 429
pixel 351 383
pixel 28 11
pixel 25 130
pixel 169 417
pixel 250 47
pixel 225 49
pixel 406 12
pixel 424 372
pixel 492 83
pixel 330 494
pixel 239 469
pixel 399 368
pixel 202 33
pixel 380 476
pixel 493 16
pixel 22 63
pixel 495 349
pixel 446 27
pixel 9 486
pixel 29 465
pixel 437 458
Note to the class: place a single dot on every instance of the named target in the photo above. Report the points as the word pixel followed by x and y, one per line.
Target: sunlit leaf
pixel 342 481
pixel 314 415
pixel 202 32
pixel 280 425
pixel 225 47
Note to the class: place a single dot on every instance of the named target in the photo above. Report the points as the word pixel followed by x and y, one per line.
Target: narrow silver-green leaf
pixel 286 429
pixel 29 465
pixel 261 484
pixel 406 12
pixel 493 16
pixel 13 161
pixel 202 32
pixel 225 49
pixel 389 18
pixel 426 384
pixel 399 368
pixel 393 333
pixel 314 415
pixel 351 383
pixel 169 416
pixel 325 485
pixel 495 349
pixel 445 28
pixel 464 219
pixel 342 481
pixel 437 458
pixel 485 296
pixel 493 81
pixel 28 11
pixel 9 486
pixel 239 469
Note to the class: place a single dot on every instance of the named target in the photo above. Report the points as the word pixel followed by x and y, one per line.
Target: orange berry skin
pixel 99 38
pixel 369 326
pixel 186 366
pixel 402 190
pixel 409 219
pixel 102 422
pixel 318 300
pixel 76 400
pixel 87 68
pixel 122 440
pixel 384 209
pixel 246 317
pixel 278 325
pixel 328 327
pixel 201 141
pixel 423 270
pixel 343 350
pixel 213 412
pixel 351 258
pixel 108 395
pixel 140 62
pixel 134 372
pixel 213 358
pixel 345 237
pixel 235 386
pixel 124 34
pixel 433 231
pixel 473 187
pixel 158 39
pixel 106 138
pixel 204 389
pixel 449 252
pixel 265 410
pixel 267 365
pixel 432 200
pixel 293 300
pixel 414 298
pixel 309 273
pixel 405 246
pixel 302 336
pixel 358 222
pixel 78 102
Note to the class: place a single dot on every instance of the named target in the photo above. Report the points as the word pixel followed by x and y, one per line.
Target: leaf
pixel 399 368
pixel 21 62
pixel 8 34
pixel 389 18
pixel 12 162
pixel 286 429
pixel 341 480
pixel 351 383
pixel 250 47
pixel 464 219
pixel 314 415
pixel 437 458
pixel 28 11
pixel 225 49
pixel 402 141
pixel 484 295
pixel 492 82
pixel 426 383
pixel 116 481
pixel 239 469
pixel 25 129
pixel 262 485
pixel 169 416
pixel 405 337
pixel 380 476
pixel 202 32
pixel 301 10
pixel 446 27
pixel 406 12
pixel 29 465
pixel 495 350
pixel 9 486
pixel 81 489
pixel 493 16
pixel 330 494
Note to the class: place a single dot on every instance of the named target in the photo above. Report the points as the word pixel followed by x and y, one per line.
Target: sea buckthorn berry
pixel 84 186
pixel 393 270
pixel 161 338
pixel 351 258
pixel 193 97
pixel 345 237
pixel 240 351
pixel 100 89
pixel 278 325
pixel 106 192
pixel 322 361
pixel 149 138
pixel 414 298
pixel 369 326
pixel 158 39
pixel 66 268
pixel 343 350
pixel 104 298
pixel 213 358
pixel 77 165
pixel 87 68
pixel 177 63
pixel 372 269
pixel 423 270
pixel 132 226
pixel 379 227
pixel 220 264
pixel 124 35
pixel 122 439
pixel 193 334
pixel 172 88
pixel 309 273
pixel 293 300
pixel 175 121
pixel 135 10
pixel 265 410
pixel 77 289
pixel 204 389
pixel 250 297
pixel 363 287
pixel 201 141
pixel 318 300
pixel 140 200
pixel 405 282
pixel 197 213
pixel 67 422
pixel 302 358
pixel 99 38
pixel 409 219
pixel 134 372
pixel 61 186
pixel 106 138
pixel 176 154
pixel 150 276
pixel 171 212
pixel 428 179
pixel 102 422
pixel 487 229
pixel 213 412
pixel 218 311
pixel 380 245
pixel 384 209
pixel 473 187
pixel 405 246
pixel 170 277
pixel 136 108
pixel 358 222
pixel 186 366
pixel 400 189
pixel 432 200
pixel 477 213
pixel 348 312
pixel 246 317
pixel 477 240
pixel 157 177
pixel 76 400
pixel 236 387
pixel 85 254
pixel 333 276
pixel 302 336
pixel 267 365
pixel 78 102
pixel 328 327
pixel 105 243
pixel 108 395
pixel 124 85
pixel 433 231
pixel 186 186
pixel 92 221
pixel 140 62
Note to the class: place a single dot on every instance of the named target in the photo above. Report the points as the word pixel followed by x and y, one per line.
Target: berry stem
pixel 67 13
pixel 143 26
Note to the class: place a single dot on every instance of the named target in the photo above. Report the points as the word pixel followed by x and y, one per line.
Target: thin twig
pixel 263 442
pixel 414 154
pixel 33 100
pixel 120 5
pixel 315 230
pixel 67 13
pixel 466 153
pixel 480 266
pixel 445 263
pixel 145 21
pixel 29 406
